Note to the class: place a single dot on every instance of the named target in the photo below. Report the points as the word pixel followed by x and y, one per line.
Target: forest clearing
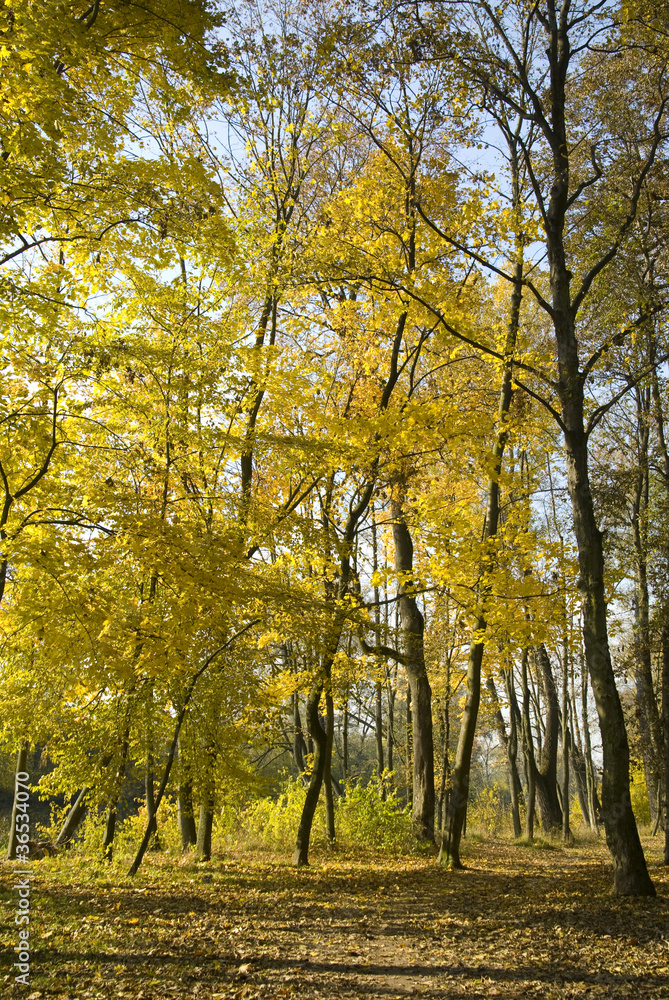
pixel 518 922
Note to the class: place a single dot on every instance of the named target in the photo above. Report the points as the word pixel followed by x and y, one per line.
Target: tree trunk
pixel 186 815
pixel 151 803
pixel 319 738
pixel 546 776
pixel 207 802
pixel 205 826
pixel 72 820
pixel 409 746
pixel 528 750
pixel 630 873
pixel 665 722
pixel 327 771
pixel 299 745
pixel 566 831
pixel 344 741
pixel 21 764
pixel 110 826
pixel 378 707
pixel 421 695
pixel 515 721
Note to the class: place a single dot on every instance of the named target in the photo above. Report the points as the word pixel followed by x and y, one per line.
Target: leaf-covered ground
pixel 519 922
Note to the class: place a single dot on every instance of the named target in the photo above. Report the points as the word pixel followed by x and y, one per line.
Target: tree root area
pixel 519 922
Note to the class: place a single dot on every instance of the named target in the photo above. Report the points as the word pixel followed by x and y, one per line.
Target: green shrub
pixel 365 819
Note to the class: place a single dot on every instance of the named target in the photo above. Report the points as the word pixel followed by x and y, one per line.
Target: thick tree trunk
pixel 630 873
pixel 73 819
pixel 21 764
pixel 421 694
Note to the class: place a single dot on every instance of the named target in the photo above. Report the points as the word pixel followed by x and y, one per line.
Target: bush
pixel 365 819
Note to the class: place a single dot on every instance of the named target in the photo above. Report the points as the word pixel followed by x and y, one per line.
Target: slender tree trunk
pixel 207 803
pixel 546 776
pixel 110 826
pixel 299 745
pixel 650 725
pixel 378 688
pixel 591 774
pixel 514 720
pixel 390 736
pixel 509 743
pixel 151 803
pixel 187 815
pixel 21 764
pixel 344 740
pixel 459 797
pixel 205 826
pixel 73 819
pixel 319 738
pixel 186 812
pixel 327 771
pixel 528 750
pixel 409 741
pixel 665 723
pixel 420 694
pixel 566 831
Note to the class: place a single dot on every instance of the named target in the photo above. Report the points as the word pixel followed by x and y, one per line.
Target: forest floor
pixel 519 922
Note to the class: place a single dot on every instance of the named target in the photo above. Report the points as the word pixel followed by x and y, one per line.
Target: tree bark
pixel 187 815
pixel 528 750
pixel 72 820
pixel 110 826
pixel 665 723
pixel 327 771
pixel 546 775
pixel 205 826
pixel 299 745
pixel 421 694
pixel 566 740
pixel 318 736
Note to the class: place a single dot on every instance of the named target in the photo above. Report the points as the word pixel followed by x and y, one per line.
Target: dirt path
pixel 518 923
